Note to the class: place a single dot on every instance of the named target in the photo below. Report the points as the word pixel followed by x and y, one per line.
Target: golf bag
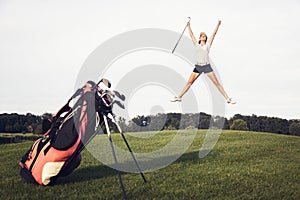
pixel 57 153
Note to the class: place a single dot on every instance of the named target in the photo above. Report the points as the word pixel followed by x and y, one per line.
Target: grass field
pixel 242 165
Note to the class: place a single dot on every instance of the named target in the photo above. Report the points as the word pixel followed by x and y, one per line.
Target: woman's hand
pixel 219 22
pixel 188 24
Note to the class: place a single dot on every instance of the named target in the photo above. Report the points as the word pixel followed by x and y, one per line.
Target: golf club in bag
pixel 180 36
pixel 66 134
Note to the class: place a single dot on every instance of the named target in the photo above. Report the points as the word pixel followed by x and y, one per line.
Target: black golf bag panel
pixel 58 152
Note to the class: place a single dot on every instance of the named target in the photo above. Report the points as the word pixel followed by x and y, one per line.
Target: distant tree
pixel 38 129
pixel 204 123
pixel 173 120
pixel 188 120
pixel 29 129
pixel 239 124
pixel 9 129
pixel 220 122
pixel 157 122
pixel 122 123
pixel 294 128
pixel 3 121
pixel 226 124
pixel 17 127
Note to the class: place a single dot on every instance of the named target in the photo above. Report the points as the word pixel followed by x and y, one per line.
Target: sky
pixel 44 45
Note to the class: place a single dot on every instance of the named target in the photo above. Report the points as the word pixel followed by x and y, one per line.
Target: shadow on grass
pixel 101 171
pixel 87 174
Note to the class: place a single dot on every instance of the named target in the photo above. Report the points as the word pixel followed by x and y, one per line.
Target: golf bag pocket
pixel 45 163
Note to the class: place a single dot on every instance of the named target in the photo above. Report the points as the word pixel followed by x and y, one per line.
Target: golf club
pixel 181 35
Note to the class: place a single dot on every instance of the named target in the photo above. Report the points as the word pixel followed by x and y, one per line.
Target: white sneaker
pixel 176 99
pixel 231 101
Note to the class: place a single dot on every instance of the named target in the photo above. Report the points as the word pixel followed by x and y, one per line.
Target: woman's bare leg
pixel 191 80
pixel 214 79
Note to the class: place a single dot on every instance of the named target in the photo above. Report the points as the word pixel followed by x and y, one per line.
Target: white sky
pixel 43 45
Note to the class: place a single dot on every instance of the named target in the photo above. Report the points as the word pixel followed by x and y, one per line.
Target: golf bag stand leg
pixel 127 144
pixel 114 154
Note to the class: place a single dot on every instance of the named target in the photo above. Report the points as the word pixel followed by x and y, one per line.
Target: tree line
pixel 29 123
pixel 206 121
pixel 18 123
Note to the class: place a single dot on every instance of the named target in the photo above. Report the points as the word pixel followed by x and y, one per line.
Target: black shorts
pixel 205 68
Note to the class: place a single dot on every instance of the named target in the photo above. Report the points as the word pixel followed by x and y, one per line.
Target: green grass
pixel 242 165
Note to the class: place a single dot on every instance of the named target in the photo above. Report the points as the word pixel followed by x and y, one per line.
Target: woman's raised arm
pixel 191 34
pixel 211 39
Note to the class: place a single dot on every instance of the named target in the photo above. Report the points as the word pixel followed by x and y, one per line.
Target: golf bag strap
pixel 66 107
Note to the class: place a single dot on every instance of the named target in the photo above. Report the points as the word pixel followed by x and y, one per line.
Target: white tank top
pixel 202 52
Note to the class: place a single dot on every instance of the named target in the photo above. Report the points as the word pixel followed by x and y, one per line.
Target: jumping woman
pixel 203 65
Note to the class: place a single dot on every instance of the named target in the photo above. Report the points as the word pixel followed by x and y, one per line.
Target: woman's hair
pixel 203 33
